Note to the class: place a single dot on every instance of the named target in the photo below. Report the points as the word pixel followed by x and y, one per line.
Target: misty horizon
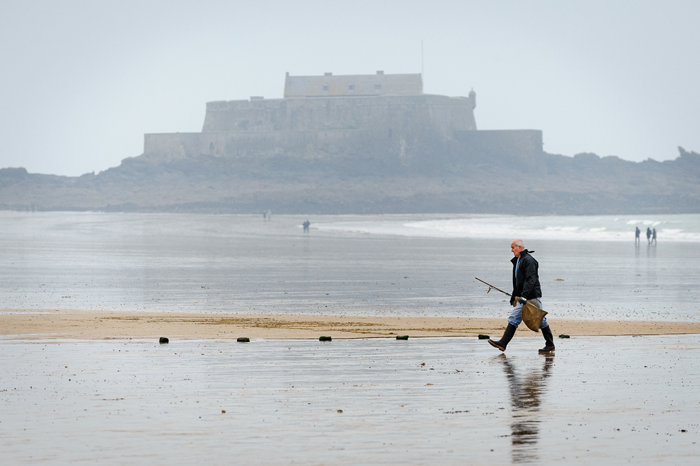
pixel 88 80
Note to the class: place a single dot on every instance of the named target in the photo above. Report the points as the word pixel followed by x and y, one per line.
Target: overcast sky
pixel 82 81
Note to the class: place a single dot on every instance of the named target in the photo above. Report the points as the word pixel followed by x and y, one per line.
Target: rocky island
pixel 360 144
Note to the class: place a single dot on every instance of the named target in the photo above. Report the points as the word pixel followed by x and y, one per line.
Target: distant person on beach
pixel 526 287
pixel 306 225
pixel 653 236
pixel 636 235
pixel 648 235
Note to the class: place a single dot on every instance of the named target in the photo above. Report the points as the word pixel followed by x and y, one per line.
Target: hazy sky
pixel 82 81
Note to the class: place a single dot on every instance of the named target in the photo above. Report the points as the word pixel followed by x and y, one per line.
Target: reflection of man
pixel 526 287
pixel 525 395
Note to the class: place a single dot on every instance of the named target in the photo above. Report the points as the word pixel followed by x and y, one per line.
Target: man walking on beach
pixel 636 235
pixel 526 287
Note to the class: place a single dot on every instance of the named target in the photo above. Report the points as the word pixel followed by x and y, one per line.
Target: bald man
pixel 526 287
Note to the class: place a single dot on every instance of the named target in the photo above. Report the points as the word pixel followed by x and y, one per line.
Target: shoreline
pixel 26 324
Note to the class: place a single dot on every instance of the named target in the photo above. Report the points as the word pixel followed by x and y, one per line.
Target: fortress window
pixel 377 87
pixel 351 88
pixel 325 88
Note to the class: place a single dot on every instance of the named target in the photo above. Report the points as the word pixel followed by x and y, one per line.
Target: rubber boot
pixel 507 336
pixel 549 339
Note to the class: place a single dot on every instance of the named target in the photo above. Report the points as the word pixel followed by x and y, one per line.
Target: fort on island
pixel 360 144
pixel 385 116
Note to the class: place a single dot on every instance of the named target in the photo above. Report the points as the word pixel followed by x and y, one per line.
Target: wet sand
pixel 93 325
pixel 599 400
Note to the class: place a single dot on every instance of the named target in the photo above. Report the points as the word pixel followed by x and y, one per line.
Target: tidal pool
pixel 379 401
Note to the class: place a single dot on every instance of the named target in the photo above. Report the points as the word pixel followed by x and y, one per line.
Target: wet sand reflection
pixel 526 396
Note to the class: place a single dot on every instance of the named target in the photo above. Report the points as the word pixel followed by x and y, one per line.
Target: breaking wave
pixel 670 228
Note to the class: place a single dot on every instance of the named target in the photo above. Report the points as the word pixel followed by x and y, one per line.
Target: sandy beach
pixel 86 298
pixel 92 325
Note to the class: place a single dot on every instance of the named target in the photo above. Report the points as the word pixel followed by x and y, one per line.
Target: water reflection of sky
pixel 244 264
pixel 421 401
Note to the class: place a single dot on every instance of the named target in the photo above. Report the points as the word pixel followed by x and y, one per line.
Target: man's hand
pixel 516 300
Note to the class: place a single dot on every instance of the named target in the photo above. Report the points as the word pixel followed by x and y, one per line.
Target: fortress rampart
pixel 397 122
pixel 445 114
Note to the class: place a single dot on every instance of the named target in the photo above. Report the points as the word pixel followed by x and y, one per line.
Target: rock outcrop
pixel 450 183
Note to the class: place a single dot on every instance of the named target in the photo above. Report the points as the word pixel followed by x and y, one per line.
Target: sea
pixel 405 265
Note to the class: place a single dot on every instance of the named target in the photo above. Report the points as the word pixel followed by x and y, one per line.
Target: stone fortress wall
pixel 327 117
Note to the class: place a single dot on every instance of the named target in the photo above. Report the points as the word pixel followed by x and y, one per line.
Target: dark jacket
pixel 527 283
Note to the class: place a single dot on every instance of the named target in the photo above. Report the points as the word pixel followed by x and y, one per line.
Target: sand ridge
pixel 27 324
